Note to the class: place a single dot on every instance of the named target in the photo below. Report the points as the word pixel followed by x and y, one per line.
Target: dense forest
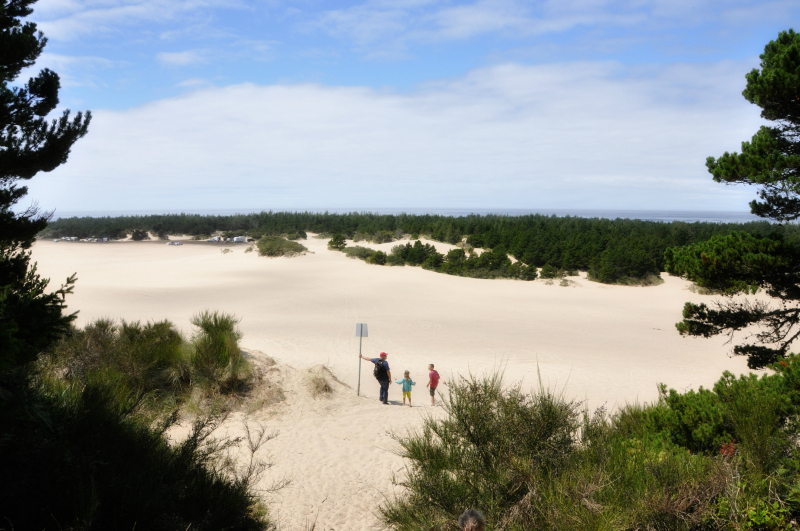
pixel 612 251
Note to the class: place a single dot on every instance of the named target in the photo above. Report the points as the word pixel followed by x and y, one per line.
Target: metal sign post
pixel 361 333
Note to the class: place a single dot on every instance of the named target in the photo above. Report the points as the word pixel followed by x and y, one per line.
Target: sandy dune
pixel 602 344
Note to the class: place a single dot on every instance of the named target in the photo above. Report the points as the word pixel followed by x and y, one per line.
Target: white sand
pixel 607 345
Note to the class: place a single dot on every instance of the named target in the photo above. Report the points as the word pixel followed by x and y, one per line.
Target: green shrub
pixel 152 362
pixel 395 260
pixel 356 251
pixel 77 461
pixel 299 235
pixel 378 258
pixel 550 271
pixel 381 236
pixel 277 246
pixel 217 360
pixel 143 359
pixel 337 242
pixel 139 235
pixel 722 459
pixel 486 453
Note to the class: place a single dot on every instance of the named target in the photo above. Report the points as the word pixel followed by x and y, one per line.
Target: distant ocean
pixel 647 215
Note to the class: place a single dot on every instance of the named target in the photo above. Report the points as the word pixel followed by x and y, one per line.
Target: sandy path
pixel 604 344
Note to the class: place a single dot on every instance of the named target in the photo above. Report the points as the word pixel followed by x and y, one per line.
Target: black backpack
pixel 380 371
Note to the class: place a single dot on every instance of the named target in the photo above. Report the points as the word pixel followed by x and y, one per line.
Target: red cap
pixel 383 354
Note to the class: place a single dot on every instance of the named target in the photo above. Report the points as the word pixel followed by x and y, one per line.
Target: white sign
pixel 361 330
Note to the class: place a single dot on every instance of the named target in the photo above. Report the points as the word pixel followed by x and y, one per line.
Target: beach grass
pixel 319 382
pixel 152 365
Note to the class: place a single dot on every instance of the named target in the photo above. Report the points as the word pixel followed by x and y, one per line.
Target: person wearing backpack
pixel 382 374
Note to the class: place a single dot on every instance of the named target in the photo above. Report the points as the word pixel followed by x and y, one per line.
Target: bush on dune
pixel 277 246
pixel 721 459
pixel 153 361
pixel 217 360
pixel 298 235
pixel 359 252
pixel 337 242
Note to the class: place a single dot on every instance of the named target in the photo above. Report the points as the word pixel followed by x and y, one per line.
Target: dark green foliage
pixel 142 358
pixel 217 360
pixel 278 246
pixel 635 248
pixel 771 159
pixel 742 263
pixel 378 258
pixel 337 242
pixel 736 409
pixel 153 360
pixel 371 256
pixel 30 318
pixel 415 254
pixel 490 264
pixel 487 451
pixel 76 461
pixel 138 235
pixel 382 236
pixel 531 461
pixel 78 449
pixel 739 263
pixel 299 235
pixel 625 263
pixel 29 142
pixel 709 459
pixel 549 271
pixel 357 251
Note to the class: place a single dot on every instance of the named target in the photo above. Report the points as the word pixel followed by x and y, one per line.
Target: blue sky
pixel 204 104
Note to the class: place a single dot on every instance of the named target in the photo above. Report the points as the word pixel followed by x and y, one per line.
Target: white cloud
pixel 394 25
pixel 194 82
pixel 68 20
pixel 579 135
pixel 188 57
pixel 250 50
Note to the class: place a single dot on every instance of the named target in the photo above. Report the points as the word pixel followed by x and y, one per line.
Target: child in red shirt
pixel 433 383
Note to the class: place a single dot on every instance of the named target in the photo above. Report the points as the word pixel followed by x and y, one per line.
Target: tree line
pixel 611 250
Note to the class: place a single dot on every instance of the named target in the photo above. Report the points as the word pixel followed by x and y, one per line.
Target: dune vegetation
pixel 623 251
pixel 278 246
pixel 721 458
pixel 89 448
pixel 491 264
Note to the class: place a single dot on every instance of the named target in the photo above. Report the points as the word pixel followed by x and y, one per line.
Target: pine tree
pixel 743 263
pixel 30 143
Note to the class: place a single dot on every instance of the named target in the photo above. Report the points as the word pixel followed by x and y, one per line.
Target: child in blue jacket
pixel 407 383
